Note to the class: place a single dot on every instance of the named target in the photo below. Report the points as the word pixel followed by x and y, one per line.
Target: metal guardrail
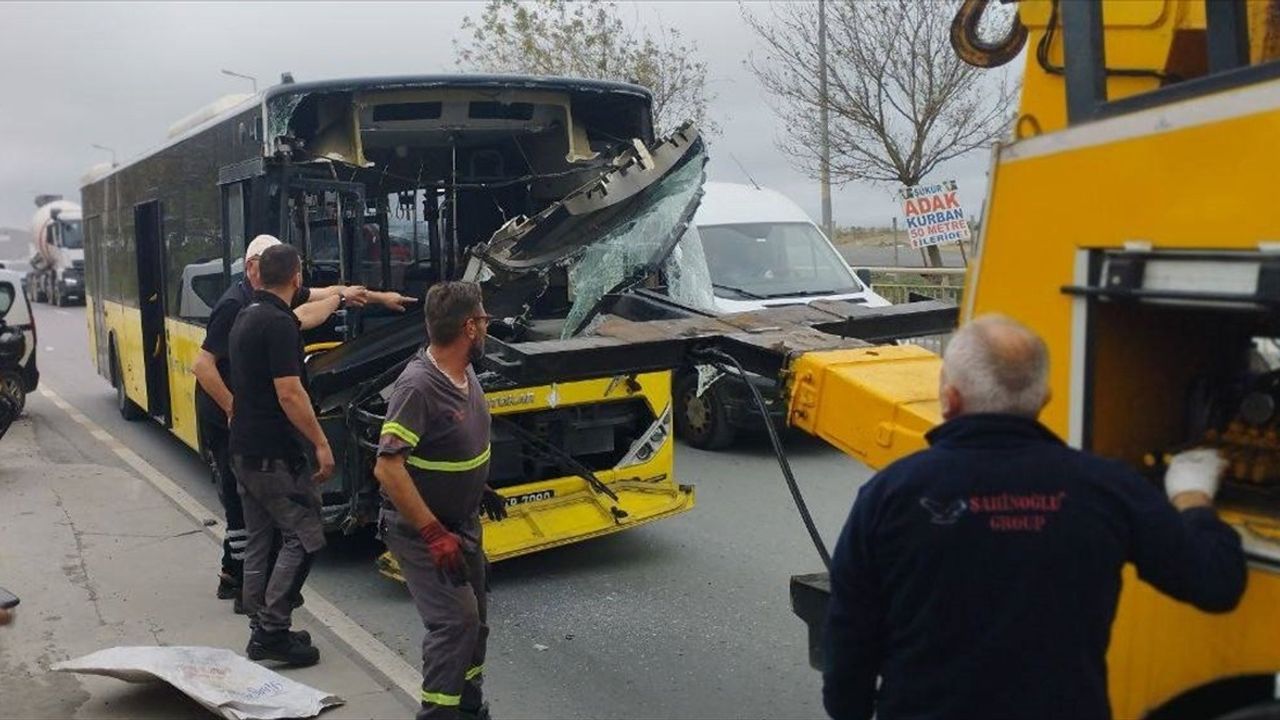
pixel 896 284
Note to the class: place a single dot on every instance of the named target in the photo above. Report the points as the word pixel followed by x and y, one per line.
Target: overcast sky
pixel 118 74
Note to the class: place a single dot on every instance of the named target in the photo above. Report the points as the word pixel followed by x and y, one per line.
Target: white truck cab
pixel 764 251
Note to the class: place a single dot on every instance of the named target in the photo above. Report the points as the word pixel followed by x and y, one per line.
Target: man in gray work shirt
pixel 433 464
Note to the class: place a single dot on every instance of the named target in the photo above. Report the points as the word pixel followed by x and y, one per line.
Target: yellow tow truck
pixel 1131 221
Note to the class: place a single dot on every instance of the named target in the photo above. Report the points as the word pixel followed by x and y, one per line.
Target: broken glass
pixel 279 113
pixel 688 275
pixel 633 246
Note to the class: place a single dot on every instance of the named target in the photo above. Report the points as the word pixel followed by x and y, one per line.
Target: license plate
pixel 531 497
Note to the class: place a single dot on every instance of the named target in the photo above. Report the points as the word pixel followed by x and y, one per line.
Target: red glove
pixel 446 553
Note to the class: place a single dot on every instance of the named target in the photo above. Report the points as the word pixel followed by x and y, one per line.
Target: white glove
pixel 1195 470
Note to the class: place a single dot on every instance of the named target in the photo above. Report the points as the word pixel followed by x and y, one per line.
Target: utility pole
pixel 825 171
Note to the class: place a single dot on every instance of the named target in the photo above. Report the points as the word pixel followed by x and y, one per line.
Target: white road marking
pixel 365 646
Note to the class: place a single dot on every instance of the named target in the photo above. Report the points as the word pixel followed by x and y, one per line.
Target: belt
pixel 263 463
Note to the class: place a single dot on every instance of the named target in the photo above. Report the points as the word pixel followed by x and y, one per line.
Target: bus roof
pixel 462 81
pixel 222 111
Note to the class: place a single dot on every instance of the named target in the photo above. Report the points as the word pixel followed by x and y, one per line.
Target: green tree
pixel 588 40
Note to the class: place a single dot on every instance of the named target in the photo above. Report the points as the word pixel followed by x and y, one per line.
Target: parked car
pixel 18 372
pixel 762 251
pixel 22 267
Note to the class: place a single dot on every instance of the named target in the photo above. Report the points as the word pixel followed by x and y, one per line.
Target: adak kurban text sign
pixel 934 215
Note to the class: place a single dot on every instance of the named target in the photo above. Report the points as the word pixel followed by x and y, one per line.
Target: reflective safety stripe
pixel 441 699
pixel 472 673
pixel 448 466
pixel 394 428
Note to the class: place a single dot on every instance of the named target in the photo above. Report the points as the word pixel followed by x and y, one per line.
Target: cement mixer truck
pixel 57 252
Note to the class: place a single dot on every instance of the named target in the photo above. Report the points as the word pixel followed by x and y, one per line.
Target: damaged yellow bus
pixel 553 194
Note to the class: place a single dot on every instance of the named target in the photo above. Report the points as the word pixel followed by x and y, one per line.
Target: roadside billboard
pixel 934 215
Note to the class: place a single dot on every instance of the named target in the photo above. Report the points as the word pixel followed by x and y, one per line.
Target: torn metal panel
pixel 595 209
pixel 637 245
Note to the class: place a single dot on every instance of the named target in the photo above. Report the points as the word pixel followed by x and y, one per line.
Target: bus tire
pixel 702 422
pixel 129 410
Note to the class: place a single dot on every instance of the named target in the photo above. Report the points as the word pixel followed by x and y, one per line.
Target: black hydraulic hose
pixel 722 357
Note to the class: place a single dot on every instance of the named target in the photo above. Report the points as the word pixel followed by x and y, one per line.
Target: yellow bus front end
pixel 579 460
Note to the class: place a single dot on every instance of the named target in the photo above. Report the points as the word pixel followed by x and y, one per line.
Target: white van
pixel 763 251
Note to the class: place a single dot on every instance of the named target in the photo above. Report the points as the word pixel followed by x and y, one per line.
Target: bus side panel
pixel 91 325
pixel 184 343
pixel 125 324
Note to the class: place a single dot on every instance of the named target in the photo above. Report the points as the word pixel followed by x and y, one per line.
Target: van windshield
pixel 766 260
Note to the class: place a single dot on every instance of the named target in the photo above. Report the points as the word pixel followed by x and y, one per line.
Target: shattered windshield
pixel 763 260
pixel 630 247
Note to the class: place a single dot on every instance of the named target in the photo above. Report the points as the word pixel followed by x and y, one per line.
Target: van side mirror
pixel 864 275
pixel 7 295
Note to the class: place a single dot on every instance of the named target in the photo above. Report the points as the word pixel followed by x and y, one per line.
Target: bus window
pixel 316 224
pixel 408 240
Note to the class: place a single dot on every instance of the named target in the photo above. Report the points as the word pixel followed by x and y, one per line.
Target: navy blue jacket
pixel 979 578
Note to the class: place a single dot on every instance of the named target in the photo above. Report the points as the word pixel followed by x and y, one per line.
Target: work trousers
pixel 453 616
pixel 233 544
pixel 277 496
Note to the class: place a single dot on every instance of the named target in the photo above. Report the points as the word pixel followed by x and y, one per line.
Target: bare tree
pixel 899 99
pixel 589 40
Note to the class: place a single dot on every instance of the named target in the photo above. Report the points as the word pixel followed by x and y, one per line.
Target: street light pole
pixel 250 78
pixel 825 169
pixel 110 150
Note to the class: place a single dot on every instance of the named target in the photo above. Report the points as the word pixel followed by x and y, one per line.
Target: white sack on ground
pixel 226 683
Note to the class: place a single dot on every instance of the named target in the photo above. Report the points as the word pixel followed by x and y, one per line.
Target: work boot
pixel 282 646
pixel 228 587
pixel 480 713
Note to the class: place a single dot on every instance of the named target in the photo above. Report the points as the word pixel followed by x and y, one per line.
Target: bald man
pixel 979 578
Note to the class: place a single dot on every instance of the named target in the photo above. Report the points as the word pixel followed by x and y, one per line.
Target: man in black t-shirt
pixel 273 429
pixel 213 397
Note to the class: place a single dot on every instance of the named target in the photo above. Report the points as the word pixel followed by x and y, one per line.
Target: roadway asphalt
pixel 684 618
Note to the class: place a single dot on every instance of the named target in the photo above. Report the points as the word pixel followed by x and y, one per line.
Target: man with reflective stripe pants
pixel 433 464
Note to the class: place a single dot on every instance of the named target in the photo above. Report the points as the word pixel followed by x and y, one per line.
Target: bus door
pixel 147 234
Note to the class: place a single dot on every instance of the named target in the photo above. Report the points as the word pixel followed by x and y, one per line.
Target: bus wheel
pixel 129 410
